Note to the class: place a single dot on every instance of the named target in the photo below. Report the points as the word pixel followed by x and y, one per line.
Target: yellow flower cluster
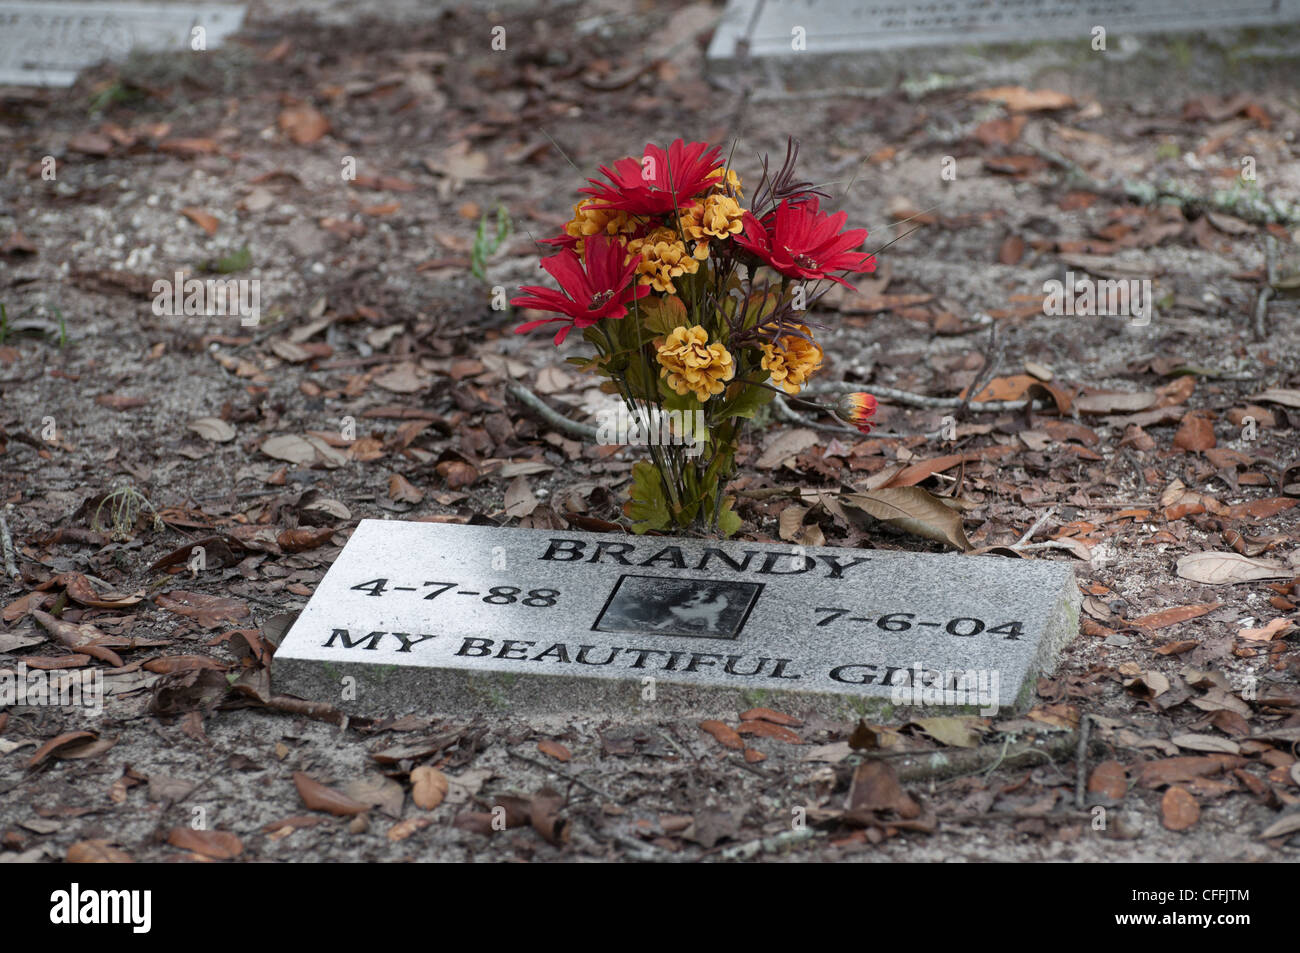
pixel 663 258
pixel 718 216
pixel 589 221
pixel 791 360
pixel 731 186
pixel 692 365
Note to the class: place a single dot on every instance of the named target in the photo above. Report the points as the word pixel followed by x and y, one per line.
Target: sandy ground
pixel 382 268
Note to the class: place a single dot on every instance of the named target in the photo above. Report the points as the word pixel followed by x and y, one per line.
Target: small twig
pixel 833 92
pixel 1081 761
pixel 767 844
pixel 647 853
pixel 992 361
pixel 1265 293
pixel 1261 313
pixel 7 544
pixel 1012 815
pixel 568 777
pixel 1136 464
pixel 1029 533
pixel 896 396
pixel 549 414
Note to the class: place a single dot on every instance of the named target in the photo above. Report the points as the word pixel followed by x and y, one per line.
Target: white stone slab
pixel 840 26
pixel 451 618
pixel 47 43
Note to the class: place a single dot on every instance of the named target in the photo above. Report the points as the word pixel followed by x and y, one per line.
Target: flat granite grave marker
pixel 454 618
pixel 47 44
pixel 839 26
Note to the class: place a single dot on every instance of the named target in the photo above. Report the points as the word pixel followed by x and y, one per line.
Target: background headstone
pixel 837 26
pixel 46 43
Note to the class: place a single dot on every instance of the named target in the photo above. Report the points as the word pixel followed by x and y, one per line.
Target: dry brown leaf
pixel 1286 824
pixel 875 788
pixel 553 749
pixel 171 664
pixel 290 448
pixel 80 638
pixel 958 731
pixel 401 490
pixel 1185 768
pixel 1004 388
pixel 1148 685
pixel 767 729
pixel 519 500
pixel 1020 99
pixel 1179 810
pixel 97 852
pixel 787 445
pixel 1211 743
pixel 404 829
pixel 767 714
pixel 428 787
pixel 1012 250
pixel 189 147
pixel 213 428
pixel 202 219
pixel 544 815
pixel 1266 633
pixel 1115 402
pixel 1168 617
pixel 457 473
pixel 1221 569
pixel 303 539
pixel 914 473
pixel 724 734
pixel 120 401
pixel 1109 779
pixel 1261 509
pixel 1276 395
pixel 79 590
pixel 303 124
pixel 914 510
pixel 65 741
pixel 219 845
pixel 1061 715
pixel 317 797
pixel 208 611
pixel 1196 432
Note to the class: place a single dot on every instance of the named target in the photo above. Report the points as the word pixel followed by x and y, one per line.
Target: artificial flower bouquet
pixel 694 306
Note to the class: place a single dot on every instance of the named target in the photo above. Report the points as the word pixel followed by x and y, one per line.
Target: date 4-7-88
pixel 496 596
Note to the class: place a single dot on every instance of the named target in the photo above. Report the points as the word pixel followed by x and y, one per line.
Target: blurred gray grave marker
pixel 46 43
pixel 772 27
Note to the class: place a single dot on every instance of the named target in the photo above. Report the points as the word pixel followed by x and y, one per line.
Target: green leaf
pixel 661 315
pixel 728 520
pixel 240 260
pixel 646 506
pixel 504 226
pixel 745 403
pixel 675 401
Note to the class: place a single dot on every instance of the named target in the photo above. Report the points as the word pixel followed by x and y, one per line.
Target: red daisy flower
pixel 801 241
pixel 857 409
pixel 601 289
pixel 662 181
